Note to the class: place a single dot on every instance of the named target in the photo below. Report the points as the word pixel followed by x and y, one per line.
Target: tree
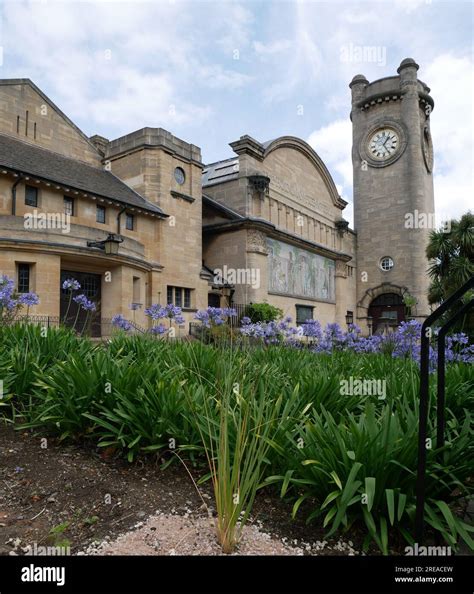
pixel 451 251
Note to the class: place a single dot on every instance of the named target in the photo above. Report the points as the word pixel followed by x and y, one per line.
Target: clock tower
pixel 392 157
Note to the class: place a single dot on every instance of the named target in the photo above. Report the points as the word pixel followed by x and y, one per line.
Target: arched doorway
pixel 388 307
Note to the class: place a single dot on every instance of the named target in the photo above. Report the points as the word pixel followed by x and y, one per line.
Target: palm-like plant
pixel 452 256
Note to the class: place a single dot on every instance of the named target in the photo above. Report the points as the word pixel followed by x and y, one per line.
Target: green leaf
pixel 448 516
pixel 390 504
pixel 402 499
pixel 369 521
pixel 297 504
pixel 331 513
pixel 286 482
pixel 330 498
pixel 337 480
pixel 370 491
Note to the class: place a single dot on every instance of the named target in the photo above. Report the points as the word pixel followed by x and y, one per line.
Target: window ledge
pixel 186 197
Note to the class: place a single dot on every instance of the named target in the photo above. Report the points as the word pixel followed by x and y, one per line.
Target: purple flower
pixel 271 332
pixel 159 329
pixel 214 316
pixel 170 311
pixel 28 299
pixel 6 283
pixel 85 303
pixel 155 312
pixel 312 329
pixel 71 283
pixel 7 288
pixel 120 322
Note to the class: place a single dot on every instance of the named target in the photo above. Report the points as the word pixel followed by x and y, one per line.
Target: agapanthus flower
pixel 312 329
pixel 71 283
pixel 85 303
pixel 7 289
pixel 155 311
pixel 6 283
pixel 215 316
pixel 28 299
pixel 159 329
pixel 120 322
pixel 172 311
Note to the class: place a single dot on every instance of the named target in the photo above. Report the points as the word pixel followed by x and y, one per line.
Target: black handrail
pixel 424 398
pixel 440 417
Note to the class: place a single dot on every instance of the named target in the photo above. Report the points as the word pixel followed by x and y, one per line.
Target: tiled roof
pixel 22 157
pixel 219 172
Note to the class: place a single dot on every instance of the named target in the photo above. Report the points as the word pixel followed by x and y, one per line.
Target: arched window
pixel 388 299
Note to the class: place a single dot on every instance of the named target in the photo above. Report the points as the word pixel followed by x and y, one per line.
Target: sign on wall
pixel 299 273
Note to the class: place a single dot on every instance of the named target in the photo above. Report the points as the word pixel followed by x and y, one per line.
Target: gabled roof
pixel 46 99
pixel 22 157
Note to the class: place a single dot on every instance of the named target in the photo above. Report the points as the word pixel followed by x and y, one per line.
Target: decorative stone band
pixel 368 102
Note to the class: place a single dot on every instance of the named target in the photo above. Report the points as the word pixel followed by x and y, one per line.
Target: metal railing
pixel 440 397
pixel 240 308
pixel 47 321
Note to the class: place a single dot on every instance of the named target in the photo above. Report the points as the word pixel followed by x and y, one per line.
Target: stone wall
pixel 28 115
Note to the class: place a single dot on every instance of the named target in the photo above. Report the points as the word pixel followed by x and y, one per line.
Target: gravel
pixel 191 534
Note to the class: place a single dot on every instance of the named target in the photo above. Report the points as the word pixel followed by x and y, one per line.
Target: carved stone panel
pixel 256 242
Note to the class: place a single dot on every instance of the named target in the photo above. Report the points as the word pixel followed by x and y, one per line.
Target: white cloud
pixel 140 67
pixel 333 143
pixel 451 80
pixel 263 50
pixel 410 6
pixel 235 21
pixel 216 77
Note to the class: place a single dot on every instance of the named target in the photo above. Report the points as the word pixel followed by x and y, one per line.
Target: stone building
pixel 140 220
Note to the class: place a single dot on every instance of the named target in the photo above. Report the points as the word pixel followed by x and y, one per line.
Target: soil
pixel 55 494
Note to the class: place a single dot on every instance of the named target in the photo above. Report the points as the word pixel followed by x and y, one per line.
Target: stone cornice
pixel 249 146
pixel 272 231
pixel 186 197
pixel 74 192
pixel 63 249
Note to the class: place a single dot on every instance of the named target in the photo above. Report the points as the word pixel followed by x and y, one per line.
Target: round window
pixel 179 175
pixel 386 263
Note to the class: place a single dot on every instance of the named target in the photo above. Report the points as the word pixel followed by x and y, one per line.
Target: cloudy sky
pixel 210 71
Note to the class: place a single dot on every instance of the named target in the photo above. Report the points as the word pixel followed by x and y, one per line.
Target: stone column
pixel 341 290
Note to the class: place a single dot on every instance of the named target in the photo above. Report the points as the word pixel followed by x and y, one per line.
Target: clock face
pixel 427 149
pixel 383 144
